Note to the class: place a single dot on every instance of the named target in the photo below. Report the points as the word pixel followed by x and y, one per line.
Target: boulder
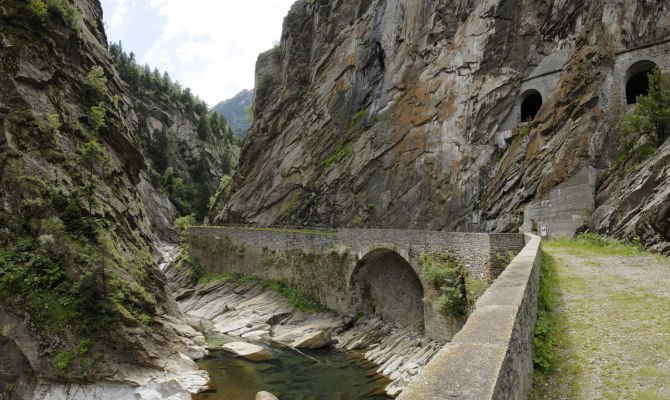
pixel 249 351
pixel 313 340
pixel 265 396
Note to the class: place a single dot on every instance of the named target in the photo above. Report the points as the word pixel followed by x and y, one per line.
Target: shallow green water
pixel 330 375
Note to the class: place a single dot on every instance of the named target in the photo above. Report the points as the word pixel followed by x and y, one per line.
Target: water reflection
pixel 324 374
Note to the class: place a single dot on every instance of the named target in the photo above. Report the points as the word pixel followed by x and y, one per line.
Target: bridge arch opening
pixel 384 284
pixel 531 102
pixel 637 81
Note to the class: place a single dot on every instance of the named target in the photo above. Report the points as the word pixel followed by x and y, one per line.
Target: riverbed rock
pixel 315 340
pixel 265 396
pixel 260 315
pixel 249 351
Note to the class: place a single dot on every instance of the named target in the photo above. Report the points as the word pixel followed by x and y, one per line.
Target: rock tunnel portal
pixel 637 80
pixel 384 284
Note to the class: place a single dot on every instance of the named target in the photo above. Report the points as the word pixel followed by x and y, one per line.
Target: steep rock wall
pixel 81 299
pixel 397 113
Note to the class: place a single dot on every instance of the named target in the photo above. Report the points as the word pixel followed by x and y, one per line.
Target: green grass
pixel 597 245
pixel 298 299
pixel 546 327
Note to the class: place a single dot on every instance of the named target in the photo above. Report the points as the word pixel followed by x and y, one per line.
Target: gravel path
pixel 613 318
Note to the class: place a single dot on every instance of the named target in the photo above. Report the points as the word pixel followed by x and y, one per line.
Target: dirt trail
pixel 613 318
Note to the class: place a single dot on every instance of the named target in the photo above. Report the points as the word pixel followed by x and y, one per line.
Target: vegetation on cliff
pixel 80 294
pixel 191 184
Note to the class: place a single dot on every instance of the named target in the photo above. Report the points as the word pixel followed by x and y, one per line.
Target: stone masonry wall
pixel 492 356
pixel 322 263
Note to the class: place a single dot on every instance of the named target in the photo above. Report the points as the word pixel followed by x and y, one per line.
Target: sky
pixel 210 46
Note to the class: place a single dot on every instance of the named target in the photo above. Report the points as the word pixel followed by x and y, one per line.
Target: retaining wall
pixel 492 356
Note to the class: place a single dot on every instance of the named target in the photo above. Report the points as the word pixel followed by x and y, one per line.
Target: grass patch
pixel 550 339
pixel 545 327
pixel 298 299
pixel 598 245
pixel 601 331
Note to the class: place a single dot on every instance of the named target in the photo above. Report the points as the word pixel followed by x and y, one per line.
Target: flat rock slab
pixel 265 396
pixel 249 351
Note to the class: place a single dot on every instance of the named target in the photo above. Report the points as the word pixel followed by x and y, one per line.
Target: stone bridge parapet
pixel 492 356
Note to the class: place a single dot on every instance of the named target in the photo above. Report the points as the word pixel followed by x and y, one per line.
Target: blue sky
pixel 208 45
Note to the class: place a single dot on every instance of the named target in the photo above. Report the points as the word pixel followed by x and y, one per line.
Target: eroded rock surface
pixel 404 113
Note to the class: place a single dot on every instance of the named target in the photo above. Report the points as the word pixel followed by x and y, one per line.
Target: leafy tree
pixel 204 128
pixel 649 125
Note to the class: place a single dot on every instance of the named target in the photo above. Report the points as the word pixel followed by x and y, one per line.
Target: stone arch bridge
pixel 356 271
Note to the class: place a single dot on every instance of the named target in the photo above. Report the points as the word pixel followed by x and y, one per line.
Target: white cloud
pixel 209 45
pixel 120 10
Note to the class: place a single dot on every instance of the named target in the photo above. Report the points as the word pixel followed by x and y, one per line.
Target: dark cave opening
pixel 531 104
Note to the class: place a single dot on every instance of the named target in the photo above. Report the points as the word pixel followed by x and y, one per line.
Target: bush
pixel 445 274
pixel 62 362
pixel 39 9
pixel 182 225
pixel 96 81
pixel 649 125
pixel 97 116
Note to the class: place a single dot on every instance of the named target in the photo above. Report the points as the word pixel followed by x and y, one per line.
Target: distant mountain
pixel 233 110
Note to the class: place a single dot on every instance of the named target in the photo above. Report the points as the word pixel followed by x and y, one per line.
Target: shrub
pixel 97 116
pixel 182 225
pixel 649 125
pixel 62 362
pixel 39 9
pixel 96 81
pixel 84 346
pixel 445 274
pixel 53 122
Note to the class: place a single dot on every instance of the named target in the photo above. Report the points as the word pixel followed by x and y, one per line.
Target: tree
pixel 649 124
pixel 158 150
pixel 204 128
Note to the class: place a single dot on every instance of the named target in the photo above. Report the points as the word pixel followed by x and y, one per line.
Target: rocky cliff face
pixel 81 299
pixel 405 113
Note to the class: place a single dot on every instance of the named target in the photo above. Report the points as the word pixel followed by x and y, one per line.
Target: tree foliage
pixel 649 125
pixel 444 272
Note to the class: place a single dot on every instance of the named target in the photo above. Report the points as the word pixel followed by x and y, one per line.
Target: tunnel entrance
pixel 384 284
pixel 637 81
pixel 531 102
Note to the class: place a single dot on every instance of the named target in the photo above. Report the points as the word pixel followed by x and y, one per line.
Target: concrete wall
pixel 564 208
pixel 325 264
pixel 492 356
